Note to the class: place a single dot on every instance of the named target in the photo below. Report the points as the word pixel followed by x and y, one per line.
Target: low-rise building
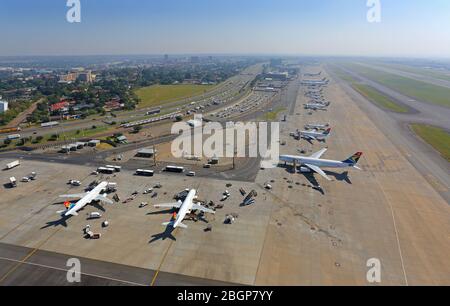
pixel 3 106
pixel 146 153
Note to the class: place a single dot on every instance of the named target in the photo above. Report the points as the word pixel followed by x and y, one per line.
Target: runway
pixel 417 77
pixel 44 268
pixel 425 159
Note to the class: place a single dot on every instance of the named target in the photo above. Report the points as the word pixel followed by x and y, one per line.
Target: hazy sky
pixel 300 27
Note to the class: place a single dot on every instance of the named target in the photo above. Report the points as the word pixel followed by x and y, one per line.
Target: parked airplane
pixel 184 208
pixel 313 135
pixel 85 199
pixel 316 106
pixel 316 126
pixel 313 163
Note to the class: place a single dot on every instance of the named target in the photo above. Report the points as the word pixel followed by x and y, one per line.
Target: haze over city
pixel 411 28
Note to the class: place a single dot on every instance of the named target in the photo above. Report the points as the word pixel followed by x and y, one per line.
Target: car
pixel 75 183
pixel 191 173
pixel 207 166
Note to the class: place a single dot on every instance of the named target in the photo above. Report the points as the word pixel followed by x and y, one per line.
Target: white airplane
pixel 313 135
pixel 184 208
pixel 317 126
pixel 316 106
pixel 313 163
pixel 85 199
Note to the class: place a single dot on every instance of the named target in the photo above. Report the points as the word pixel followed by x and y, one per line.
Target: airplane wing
pixel 204 209
pixel 103 199
pixel 318 170
pixel 98 206
pixel 169 205
pixel 307 137
pixel 319 154
pixel 73 196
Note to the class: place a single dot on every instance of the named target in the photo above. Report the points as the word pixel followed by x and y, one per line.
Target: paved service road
pixel 44 268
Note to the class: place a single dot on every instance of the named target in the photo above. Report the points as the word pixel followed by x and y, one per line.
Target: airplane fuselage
pixel 325 163
pixel 313 134
pixel 87 199
pixel 185 208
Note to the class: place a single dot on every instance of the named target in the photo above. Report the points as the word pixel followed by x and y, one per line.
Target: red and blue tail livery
pixel 354 159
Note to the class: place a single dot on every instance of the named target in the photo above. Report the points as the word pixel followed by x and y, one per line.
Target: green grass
pixel 157 95
pixel 378 98
pixel 84 133
pixel 273 115
pixel 422 91
pixel 438 138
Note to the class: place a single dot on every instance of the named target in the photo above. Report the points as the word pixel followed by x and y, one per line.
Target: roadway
pixel 233 88
pixel 21 266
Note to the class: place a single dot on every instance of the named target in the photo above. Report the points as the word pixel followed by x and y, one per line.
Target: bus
pixel 105 170
pixel 175 169
pixel 116 168
pixel 9 130
pixel 142 172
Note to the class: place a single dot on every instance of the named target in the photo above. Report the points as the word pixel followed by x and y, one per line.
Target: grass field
pixel 378 98
pixel 343 75
pixel 438 138
pixel 415 89
pixel 157 95
pixel 273 115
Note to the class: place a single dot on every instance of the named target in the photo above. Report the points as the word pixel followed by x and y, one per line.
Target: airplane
pixel 311 135
pixel 316 126
pixel 313 163
pixel 313 74
pixel 316 106
pixel 95 195
pixel 184 208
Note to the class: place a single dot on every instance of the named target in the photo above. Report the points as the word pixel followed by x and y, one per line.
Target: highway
pixel 232 89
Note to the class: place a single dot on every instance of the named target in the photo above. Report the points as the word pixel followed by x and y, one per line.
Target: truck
pixel 12 182
pixel 13 164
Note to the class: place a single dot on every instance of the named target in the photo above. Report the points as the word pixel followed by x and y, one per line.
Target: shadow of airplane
pixel 98 206
pixel 167 234
pixel 161 212
pixel 56 223
pixel 341 177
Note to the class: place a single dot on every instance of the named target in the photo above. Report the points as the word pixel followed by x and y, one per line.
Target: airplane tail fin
pixel 353 160
pixel 327 132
